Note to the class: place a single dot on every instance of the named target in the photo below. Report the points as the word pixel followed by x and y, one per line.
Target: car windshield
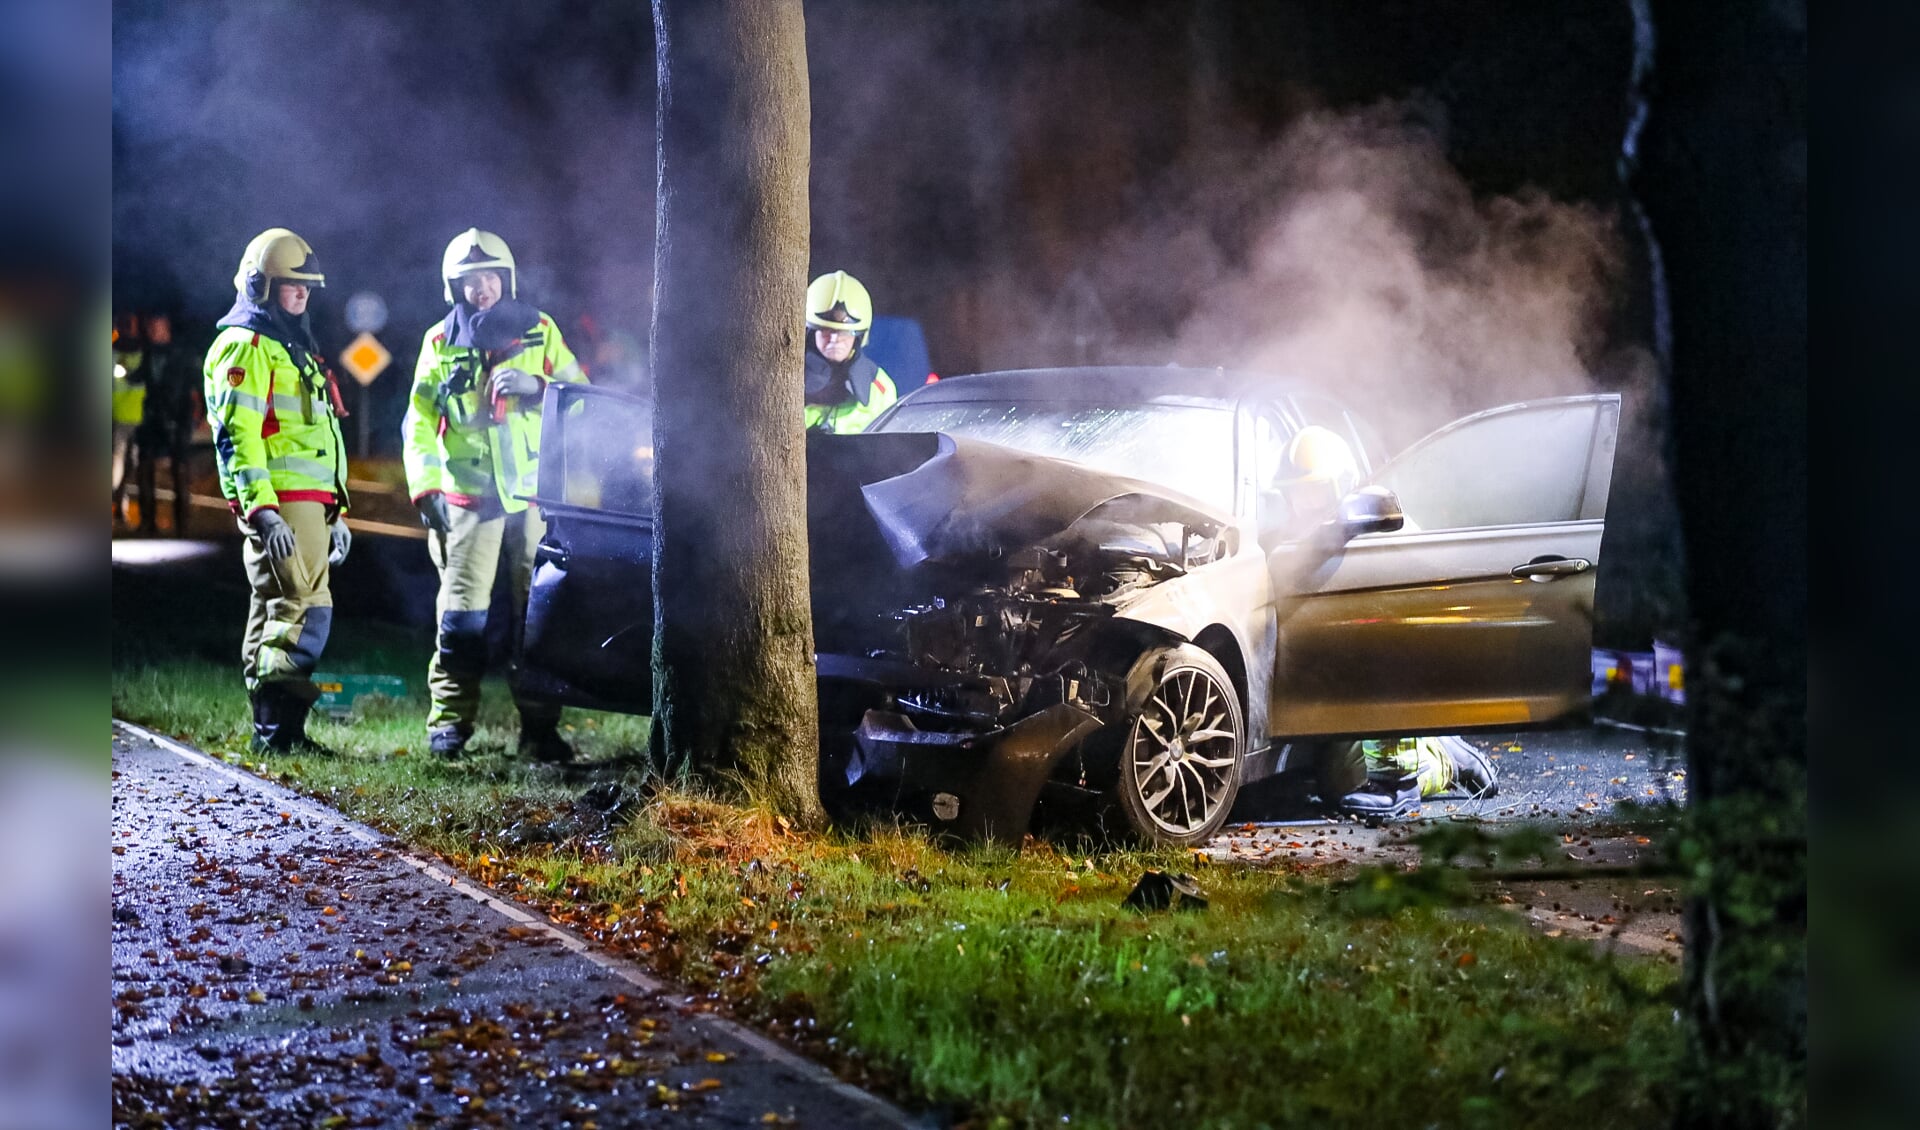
pixel 1186 447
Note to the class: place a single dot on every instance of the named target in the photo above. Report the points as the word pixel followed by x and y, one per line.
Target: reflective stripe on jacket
pixel 453 444
pixel 129 388
pixel 275 433
pixel 851 415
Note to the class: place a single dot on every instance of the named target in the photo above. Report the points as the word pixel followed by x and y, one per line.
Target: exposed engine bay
pixel 971 620
pixel 1025 635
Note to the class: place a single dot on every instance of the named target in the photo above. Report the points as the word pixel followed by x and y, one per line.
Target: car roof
pixel 1110 384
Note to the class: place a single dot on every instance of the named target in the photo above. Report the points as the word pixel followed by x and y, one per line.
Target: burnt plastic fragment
pixel 1158 890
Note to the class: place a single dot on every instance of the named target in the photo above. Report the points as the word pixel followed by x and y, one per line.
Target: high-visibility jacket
pixel 456 440
pixel 851 415
pixel 129 387
pixel 276 423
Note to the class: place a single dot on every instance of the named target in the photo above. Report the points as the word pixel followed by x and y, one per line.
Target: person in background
pixel 129 406
pixel 275 412
pixel 845 390
pixel 471 437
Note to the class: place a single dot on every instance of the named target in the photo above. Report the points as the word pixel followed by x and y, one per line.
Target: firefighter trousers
pixel 468 557
pixel 1345 765
pixel 290 614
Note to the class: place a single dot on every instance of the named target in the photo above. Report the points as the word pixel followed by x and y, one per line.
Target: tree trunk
pixel 1723 175
pixel 733 631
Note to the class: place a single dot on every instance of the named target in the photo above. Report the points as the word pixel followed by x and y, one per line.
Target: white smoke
pixel 1351 254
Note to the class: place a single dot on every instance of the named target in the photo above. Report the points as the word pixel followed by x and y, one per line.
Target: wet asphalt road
pixel 276 965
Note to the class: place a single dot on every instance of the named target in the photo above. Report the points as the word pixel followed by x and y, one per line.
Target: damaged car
pixel 1127 591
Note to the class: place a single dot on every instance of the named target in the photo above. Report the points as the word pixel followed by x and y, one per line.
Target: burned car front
pixel 978 627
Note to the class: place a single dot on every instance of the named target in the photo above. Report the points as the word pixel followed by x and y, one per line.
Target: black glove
pixel 276 537
pixel 433 511
pixel 342 541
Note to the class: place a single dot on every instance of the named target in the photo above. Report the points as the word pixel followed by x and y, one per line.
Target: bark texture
pixel 733 642
pixel 1724 180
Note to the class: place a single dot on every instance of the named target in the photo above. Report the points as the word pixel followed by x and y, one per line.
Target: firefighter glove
pixel 514 382
pixel 433 511
pixel 276 537
pixel 342 539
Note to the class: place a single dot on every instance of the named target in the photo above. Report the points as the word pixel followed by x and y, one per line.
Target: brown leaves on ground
pixel 708 829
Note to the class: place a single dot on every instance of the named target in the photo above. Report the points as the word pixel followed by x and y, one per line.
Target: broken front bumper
pixel 979 784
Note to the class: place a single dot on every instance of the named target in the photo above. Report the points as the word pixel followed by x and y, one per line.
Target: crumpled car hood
pixel 971 498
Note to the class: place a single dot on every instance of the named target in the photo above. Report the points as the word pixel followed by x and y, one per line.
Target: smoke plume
pixel 1358 259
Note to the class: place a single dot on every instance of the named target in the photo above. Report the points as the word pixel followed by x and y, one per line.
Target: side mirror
pixel 1370 510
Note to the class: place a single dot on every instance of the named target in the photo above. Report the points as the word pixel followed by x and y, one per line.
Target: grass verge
pixel 1008 986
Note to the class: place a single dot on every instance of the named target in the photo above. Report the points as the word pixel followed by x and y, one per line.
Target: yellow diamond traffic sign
pixel 365 358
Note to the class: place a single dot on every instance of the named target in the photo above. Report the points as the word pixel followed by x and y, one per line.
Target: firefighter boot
pixel 1385 795
pixel 448 741
pixel 1473 774
pixel 264 723
pixel 280 721
pixel 540 740
pixel 300 700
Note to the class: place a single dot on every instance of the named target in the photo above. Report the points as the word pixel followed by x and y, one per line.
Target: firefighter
pixel 275 410
pixel 472 448
pixel 845 389
pixel 1316 472
pixel 129 405
pixel 1390 777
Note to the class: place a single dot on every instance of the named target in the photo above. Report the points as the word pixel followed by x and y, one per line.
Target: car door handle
pixel 1551 568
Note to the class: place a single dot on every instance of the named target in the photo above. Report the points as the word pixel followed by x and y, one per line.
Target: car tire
pixel 1181 748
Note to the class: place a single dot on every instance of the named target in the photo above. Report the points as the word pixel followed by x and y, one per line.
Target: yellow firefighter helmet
pixel 1317 454
pixel 837 301
pixel 475 250
pixel 276 255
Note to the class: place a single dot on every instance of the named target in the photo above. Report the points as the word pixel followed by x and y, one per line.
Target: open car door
pixel 1478 610
pixel 588 639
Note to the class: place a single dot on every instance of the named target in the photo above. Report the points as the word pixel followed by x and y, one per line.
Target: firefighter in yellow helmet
pixel 845 389
pixel 1316 471
pixel 1376 778
pixel 275 408
pixel 471 443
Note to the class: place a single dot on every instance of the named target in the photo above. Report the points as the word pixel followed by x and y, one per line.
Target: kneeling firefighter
pixel 1390 777
pixel 846 390
pixel 275 410
pixel 472 449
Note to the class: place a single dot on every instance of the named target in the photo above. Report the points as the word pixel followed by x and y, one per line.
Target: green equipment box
pixel 338 693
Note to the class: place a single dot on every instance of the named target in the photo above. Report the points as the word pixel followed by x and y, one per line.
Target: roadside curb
pixel 718 1027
